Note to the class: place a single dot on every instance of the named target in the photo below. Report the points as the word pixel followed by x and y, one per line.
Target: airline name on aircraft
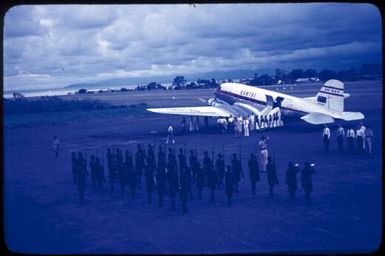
pixel 248 93
pixel 331 90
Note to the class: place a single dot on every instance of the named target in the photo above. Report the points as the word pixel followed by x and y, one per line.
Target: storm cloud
pixel 56 45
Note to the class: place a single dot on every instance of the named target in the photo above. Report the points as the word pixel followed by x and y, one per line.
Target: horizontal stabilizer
pixel 350 116
pixel 193 111
pixel 317 118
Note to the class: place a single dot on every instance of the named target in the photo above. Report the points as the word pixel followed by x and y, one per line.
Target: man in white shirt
pixel 368 138
pixel 263 152
pixel 170 135
pixel 246 127
pixel 360 138
pixel 326 137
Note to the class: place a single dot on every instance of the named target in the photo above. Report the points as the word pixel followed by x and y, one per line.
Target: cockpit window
pixel 321 99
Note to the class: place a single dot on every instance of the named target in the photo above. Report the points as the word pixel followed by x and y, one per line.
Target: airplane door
pixel 269 100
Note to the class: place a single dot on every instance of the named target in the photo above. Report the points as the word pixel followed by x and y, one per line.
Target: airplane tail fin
pixel 332 95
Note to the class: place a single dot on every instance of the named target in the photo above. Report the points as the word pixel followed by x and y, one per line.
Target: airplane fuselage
pixel 234 92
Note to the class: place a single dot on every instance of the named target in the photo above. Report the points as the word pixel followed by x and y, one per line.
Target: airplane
pixel 234 99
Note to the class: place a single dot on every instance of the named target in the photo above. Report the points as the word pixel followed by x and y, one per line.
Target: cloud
pixel 56 45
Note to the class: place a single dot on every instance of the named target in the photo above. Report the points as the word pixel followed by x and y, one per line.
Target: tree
pixel 179 81
pixel 310 73
pixel 295 74
pixel 327 74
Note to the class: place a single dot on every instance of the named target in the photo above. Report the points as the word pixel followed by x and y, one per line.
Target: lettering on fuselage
pixel 248 94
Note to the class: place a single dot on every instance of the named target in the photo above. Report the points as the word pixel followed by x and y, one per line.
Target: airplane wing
pixel 350 116
pixel 317 118
pixel 193 111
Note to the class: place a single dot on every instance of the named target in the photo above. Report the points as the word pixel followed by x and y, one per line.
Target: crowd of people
pixel 168 174
pixel 359 140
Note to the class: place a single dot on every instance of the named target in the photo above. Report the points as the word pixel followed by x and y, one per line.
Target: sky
pixel 51 46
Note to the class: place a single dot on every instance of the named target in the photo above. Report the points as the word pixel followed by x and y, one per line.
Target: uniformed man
pixel 220 168
pixel 111 169
pixel 82 174
pixel 229 184
pixel 340 138
pixel 140 156
pixel 236 166
pixel 93 170
pixel 100 178
pixel 151 156
pixel 350 136
pixel 291 179
pixel 306 180
pixel 252 122
pixel 192 159
pixel 212 180
pixel 172 177
pixel 253 171
pixel 263 151
pixel 74 162
pixel 326 137
pixel 206 121
pixel 196 123
pixel 182 160
pixel 184 190
pixel 55 146
pixel 150 181
pixel 161 185
pixel 132 181
pixel 170 135
pixel 201 178
pixel 271 175
pixel 184 125
pixel 122 169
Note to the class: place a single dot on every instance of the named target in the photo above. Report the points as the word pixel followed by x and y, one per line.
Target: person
pixel 239 126
pixel 306 180
pixel 368 138
pixel 340 138
pixel 182 160
pixel 150 182
pixel 55 145
pixel 172 178
pixel 196 123
pixel 279 118
pixel 363 128
pixel 122 171
pixel 220 169
pixel 184 124
pixel 246 124
pixel 201 179
pixel 350 136
pixel 94 171
pixel 206 122
pixel 74 162
pixel 359 138
pixel 100 173
pixel 291 179
pixel 191 158
pixel 236 166
pixel 82 174
pixel 229 185
pixel 271 175
pixel 224 125
pixel 161 185
pixel 132 181
pixel 326 137
pixel 252 122
pixel 231 123
pixel 140 156
pixel 257 123
pixel 191 124
pixel 111 169
pixel 253 172
pixel 263 151
pixel 212 180
pixel 170 135
pixel 184 190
